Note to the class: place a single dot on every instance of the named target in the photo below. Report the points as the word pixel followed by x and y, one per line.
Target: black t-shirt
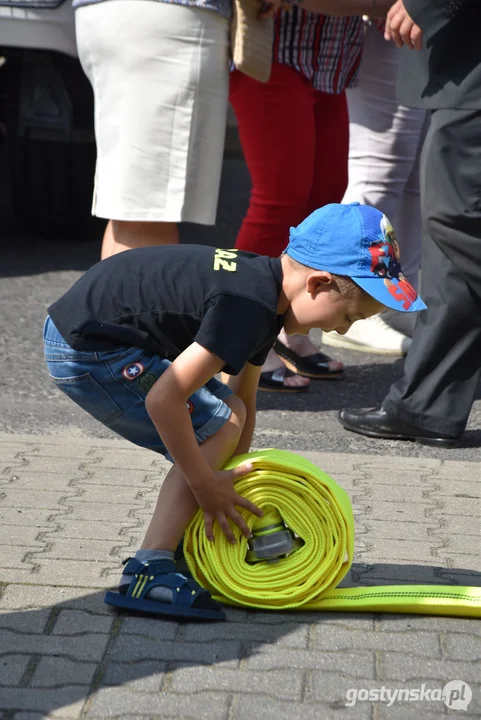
pixel 162 299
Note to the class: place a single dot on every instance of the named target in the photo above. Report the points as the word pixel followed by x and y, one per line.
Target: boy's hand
pixel 218 500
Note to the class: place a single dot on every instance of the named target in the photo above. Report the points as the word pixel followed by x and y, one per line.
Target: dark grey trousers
pixel 443 365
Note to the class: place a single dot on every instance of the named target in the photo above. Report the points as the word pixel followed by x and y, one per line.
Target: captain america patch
pixel 132 371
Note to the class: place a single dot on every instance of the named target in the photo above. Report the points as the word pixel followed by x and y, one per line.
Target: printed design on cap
pixel 386 263
pixel 385 255
pixel 132 371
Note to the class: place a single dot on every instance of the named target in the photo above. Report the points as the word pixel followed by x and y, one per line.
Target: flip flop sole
pixel 268 384
pixel 307 366
pixel 125 602
pixel 270 388
pixel 336 375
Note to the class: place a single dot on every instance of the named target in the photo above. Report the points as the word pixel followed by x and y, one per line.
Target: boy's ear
pixel 318 281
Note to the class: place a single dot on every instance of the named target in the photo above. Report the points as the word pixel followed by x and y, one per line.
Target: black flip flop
pixel 314 366
pixel 273 381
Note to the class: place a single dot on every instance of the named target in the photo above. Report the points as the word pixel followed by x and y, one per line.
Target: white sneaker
pixel 372 335
pixel 403 322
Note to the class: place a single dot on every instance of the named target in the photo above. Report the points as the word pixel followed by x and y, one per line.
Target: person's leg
pixel 122 235
pixel 408 224
pixel 384 136
pixel 385 142
pixel 442 369
pixel 160 113
pixel 101 385
pixel 277 132
pixel 176 505
pixel 443 365
pixel 329 183
pixel 331 150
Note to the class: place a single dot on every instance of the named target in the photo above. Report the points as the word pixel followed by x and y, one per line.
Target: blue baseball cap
pixel 357 241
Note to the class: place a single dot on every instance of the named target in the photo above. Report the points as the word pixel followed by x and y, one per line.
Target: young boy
pixel 138 340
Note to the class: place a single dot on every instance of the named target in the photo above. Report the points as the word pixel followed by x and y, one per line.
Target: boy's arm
pixel 166 404
pixel 245 386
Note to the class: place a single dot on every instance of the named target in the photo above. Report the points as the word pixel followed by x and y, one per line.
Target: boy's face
pixel 323 305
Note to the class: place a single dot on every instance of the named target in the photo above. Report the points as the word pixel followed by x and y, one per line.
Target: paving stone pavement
pixel 71 509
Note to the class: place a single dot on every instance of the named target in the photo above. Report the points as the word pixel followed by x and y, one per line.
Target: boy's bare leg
pixel 176 504
pixel 125 235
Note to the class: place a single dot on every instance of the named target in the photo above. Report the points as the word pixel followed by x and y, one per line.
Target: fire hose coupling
pixel 271 542
pixel 303 507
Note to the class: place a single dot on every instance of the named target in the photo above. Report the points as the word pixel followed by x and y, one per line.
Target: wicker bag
pixel 252 39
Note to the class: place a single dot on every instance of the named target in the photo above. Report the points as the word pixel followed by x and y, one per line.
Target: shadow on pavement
pixel 26 254
pixel 141 647
pixel 29 255
pixel 363 385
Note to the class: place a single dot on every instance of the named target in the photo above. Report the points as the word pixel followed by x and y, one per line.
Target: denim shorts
pixel 111 386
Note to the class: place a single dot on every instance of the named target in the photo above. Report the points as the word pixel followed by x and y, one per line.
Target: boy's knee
pixel 239 411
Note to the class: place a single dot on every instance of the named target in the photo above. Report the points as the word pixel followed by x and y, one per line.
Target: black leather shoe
pixel 376 422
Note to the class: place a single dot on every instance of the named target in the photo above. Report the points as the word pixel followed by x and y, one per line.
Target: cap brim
pixel 395 294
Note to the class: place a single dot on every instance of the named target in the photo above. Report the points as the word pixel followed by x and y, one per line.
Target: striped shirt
pixel 326 50
pixel 223 7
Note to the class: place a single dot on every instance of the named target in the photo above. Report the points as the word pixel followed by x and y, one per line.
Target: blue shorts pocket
pixel 89 395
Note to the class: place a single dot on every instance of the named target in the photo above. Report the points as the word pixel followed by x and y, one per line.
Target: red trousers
pixel 295 141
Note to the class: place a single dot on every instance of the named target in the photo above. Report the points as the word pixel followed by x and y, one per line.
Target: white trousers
pixel 160 77
pixel 384 148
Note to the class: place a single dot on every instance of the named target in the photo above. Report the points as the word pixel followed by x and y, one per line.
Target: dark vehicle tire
pixel 50 144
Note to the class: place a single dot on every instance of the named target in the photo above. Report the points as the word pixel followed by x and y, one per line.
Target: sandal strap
pixel 161 573
pixel 317 358
pixel 131 566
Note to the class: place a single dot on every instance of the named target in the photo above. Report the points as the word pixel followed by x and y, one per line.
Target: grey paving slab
pixel 64 654
pixel 270 709
pixel 402 668
pixel 25 622
pixel 72 480
pixel 468 651
pixel 33 517
pixel 9 536
pixel 12 668
pixel 293 634
pixel 91 648
pixel 283 684
pixel 60 671
pixel 112 702
pixel 419 643
pixel 79 622
pixel 143 676
pixel 45 700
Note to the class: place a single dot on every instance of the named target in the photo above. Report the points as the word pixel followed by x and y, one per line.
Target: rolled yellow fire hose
pixel 318 512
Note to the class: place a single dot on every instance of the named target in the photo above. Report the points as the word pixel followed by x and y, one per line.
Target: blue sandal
pixel 189 600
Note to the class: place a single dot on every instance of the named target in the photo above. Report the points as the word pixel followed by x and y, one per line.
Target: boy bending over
pixel 139 338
